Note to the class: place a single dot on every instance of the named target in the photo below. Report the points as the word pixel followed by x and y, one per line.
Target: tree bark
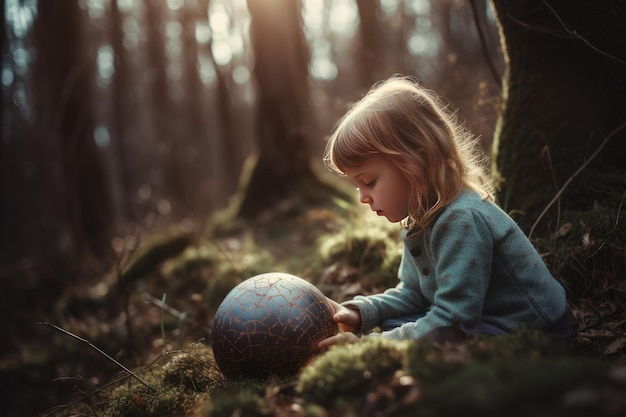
pixel 71 178
pixel 371 52
pixel 563 94
pixel 281 167
pixel 164 113
pixel 121 112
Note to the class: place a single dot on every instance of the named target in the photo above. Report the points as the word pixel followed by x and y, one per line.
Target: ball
pixel 270 325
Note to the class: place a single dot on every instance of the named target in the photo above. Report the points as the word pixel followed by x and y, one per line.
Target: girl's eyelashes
pixel 364 184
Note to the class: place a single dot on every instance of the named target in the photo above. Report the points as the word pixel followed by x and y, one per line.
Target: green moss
pixel 524 387
pixel 242 397
pixel 173 388
pixel 350 371
pixel 524 343
pixel 372 248
pixel 137 401
pixel 155 250
pixel 431 362
pixel 195 370
pixel 525 373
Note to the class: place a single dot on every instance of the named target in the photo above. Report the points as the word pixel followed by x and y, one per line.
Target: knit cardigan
pixel 472 264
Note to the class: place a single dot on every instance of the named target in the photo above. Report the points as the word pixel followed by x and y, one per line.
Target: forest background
pixel 125 119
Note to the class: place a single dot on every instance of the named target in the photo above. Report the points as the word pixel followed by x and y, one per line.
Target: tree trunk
pixel 71 176
pixel 122 112
pixel 281 168
pixel 163 112
pixel 195 144
pixel 371 50
pixel 563 94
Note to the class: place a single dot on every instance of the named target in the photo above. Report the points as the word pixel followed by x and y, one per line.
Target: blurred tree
pixel 122 111
pixel 194 141
pixel 168 135
pixel 55 209
pixel 281 167
pixel 70 194
pixel 371 48
pixel 564 94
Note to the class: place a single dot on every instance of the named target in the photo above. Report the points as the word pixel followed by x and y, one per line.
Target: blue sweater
pixel 472 264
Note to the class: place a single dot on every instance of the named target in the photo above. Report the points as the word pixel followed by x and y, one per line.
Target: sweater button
pixel 415 252
pixel 425 271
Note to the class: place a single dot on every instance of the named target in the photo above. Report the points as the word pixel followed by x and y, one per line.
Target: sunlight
pixel 417 7
pixel 313 15
pixel 219 21
pixel 220 25
pixel 127 5
pixel 175 4
pixel 101 136
pixel 316 28
pixel 173 47
pixel 222 52
pixel 106 64
pixel 344 17
pixel 20 15
pixel 241 74
pixel 173 29
pixel 21 60
pixel 423 44
pixel 95 8
pixel 206 70
pixel 389 6
pixel 322 66
pixel 131 32
pixel 7 77
pixel 203 33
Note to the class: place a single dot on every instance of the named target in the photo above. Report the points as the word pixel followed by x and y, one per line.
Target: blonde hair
pixel 408 124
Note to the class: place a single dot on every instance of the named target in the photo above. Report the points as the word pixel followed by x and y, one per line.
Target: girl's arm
pixel 460 250
pixel 406 298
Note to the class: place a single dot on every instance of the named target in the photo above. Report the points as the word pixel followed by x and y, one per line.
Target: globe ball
pixel 270 325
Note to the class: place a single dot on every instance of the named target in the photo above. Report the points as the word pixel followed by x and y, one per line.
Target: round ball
pixel 270 324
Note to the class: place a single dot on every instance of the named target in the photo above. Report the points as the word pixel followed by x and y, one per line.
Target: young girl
pixel 466 265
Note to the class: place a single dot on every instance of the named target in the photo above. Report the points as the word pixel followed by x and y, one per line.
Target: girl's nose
pixel 364 197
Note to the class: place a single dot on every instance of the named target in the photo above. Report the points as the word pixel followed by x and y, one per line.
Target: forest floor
pixel 161 297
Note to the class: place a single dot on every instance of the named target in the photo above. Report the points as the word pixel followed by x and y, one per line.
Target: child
pixel 466 265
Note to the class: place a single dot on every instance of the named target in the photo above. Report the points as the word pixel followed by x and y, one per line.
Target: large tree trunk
pixel 563 94
pixel 281 167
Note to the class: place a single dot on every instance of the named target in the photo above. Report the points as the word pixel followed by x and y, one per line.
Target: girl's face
pixel 383 186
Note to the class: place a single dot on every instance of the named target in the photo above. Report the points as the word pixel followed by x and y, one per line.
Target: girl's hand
pixel 338 339
pixel 348 321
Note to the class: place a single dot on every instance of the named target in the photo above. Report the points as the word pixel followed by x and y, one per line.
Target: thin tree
pixel 122 109
pixel 164 113
pixel 371 48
